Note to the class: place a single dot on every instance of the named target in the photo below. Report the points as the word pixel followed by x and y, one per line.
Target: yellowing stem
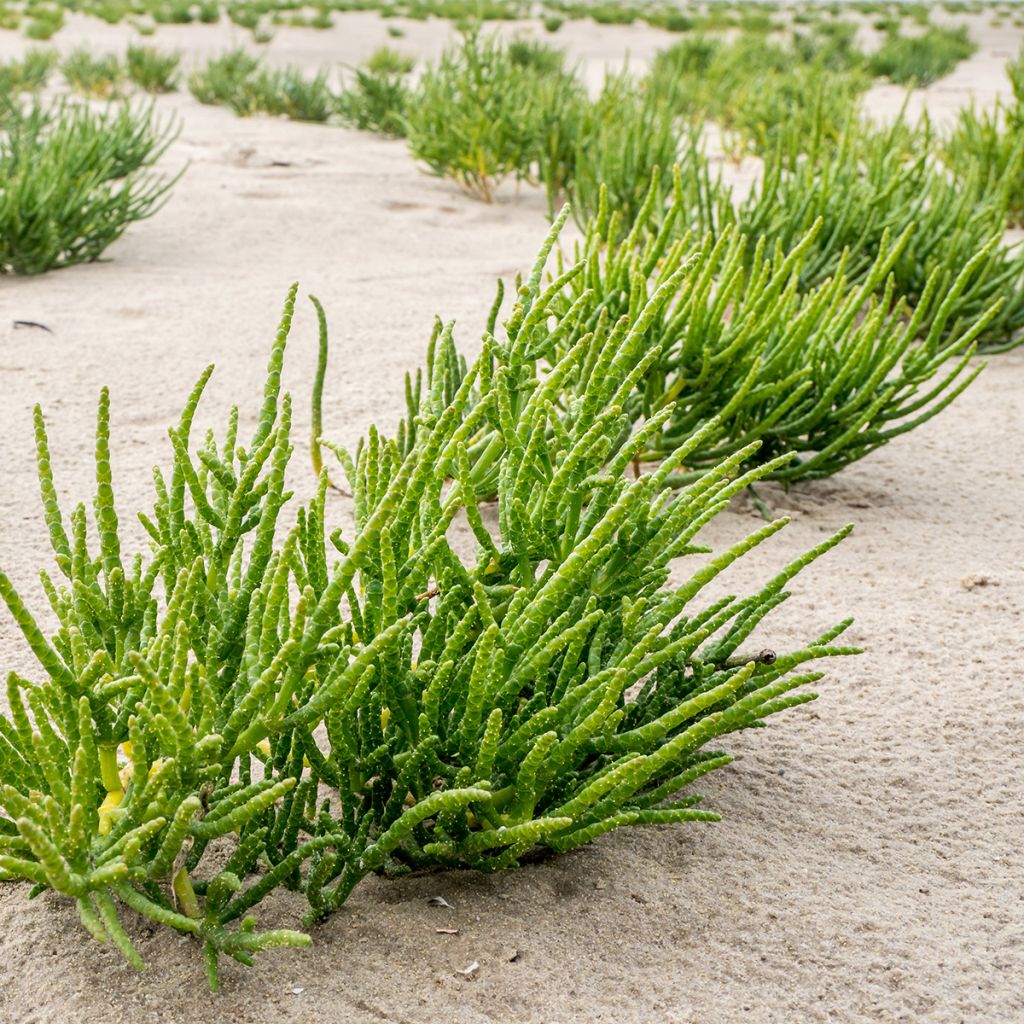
pixel 108 769
pixel 106 811
pixel 185 894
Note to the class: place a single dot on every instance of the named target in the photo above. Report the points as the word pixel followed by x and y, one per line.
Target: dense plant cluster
pixel 553 686
pixel 921 59
pixel 374 100
pixel 96 77
pixel 735 350
pixel 488 110
pixel 378 94
pixel 755 88
pixel 994 140
pixel 875 182
pixel 29 74
pixel 72 179
pixel 241 82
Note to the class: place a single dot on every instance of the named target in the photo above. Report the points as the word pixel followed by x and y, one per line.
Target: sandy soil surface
pixel 869 866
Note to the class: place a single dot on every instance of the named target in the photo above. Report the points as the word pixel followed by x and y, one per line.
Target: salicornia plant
pixel 377 96
pixel 328 706
pixel 874 182
pixel 152 70
pixel 96 77
pixel 921 59
pixel 72 180
pixel 825 374
pixel 29 74
pixel 994 141
pixel 482 113
pixel 556 684
pixel 117 768
pixel 239 81
pixel 820 376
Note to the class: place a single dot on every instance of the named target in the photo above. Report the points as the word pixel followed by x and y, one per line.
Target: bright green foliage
pixel 244 15
pixel 111 11
pixel 671 19
pixel 238 80
pixel 921 60
pixel 322 19
pixel 152 70
pixel 873 182
pixel 44 22
pixel 759 89
pixel 800 382
pixel 827 374
pixel 72 180
pixel 614 13
pixel 223 80
pixel 620 140
pixel 117 769
pixel 461 12
pixel 484 112
pixel 29 74
pixel 286 92
pixel 386 59
pixel 10 17
pixel 172 12
pixel 377 97
pixel 551 686
pixel 830 45
pixel 994 142
pixel 478 708
pixel 96 77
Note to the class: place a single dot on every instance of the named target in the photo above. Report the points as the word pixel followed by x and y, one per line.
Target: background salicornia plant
pixel 995 142
pixel 151 69
pixel 870 182
pixel 921 59
pixel 29 74
pixel 73 179
pixel 377 96
pixel 478 115
pixel 240 81
pixel 95 77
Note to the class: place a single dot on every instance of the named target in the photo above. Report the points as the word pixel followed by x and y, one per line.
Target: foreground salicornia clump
pixel 332 707
pixel 117 767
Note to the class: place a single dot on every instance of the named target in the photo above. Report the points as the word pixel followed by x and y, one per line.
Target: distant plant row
pixel 490 110
pixel 102 77
pixel 40 19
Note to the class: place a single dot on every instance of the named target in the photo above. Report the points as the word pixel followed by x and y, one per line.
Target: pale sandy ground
pixel 869 867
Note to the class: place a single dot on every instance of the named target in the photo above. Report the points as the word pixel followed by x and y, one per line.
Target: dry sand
pixel 869 866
